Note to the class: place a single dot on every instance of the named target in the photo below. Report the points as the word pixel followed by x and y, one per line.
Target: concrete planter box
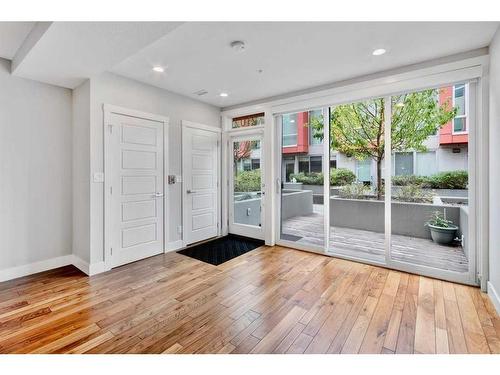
pixel 408 219
pixel 296 203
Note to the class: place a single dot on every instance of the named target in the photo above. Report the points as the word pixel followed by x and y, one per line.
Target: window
pixel 250 120
pixel 316 164
pixel 363 170
pixel 314 116
pixel 304 164
pixel 290 129
pixel 255 163
pixel 333 163
pixel 289 167
pixel 459 102
pixel 403 163
pixel 426 163
pixel 247 165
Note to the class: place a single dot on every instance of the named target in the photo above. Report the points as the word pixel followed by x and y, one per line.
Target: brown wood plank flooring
pixel 270 300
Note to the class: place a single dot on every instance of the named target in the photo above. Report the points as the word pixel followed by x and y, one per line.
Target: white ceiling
pixel 66 53
pixel 12 35
pixel 292 55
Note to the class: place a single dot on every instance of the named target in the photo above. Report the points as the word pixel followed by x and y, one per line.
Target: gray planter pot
pixel 443 236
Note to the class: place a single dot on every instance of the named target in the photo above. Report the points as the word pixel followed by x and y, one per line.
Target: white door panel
pixel 200 152
pixel 135 182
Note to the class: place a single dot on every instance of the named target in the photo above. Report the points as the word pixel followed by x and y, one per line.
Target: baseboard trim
pixel 494 297
pixel 35 267
pixel 98 267
pixel 81 264
pixel 175 245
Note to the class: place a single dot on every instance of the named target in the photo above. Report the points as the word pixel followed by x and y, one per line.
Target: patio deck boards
pixel 370 245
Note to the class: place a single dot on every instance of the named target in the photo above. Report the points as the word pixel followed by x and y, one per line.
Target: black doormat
pixel 222 249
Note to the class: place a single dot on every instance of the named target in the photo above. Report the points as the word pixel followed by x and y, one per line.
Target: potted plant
pixel 442 230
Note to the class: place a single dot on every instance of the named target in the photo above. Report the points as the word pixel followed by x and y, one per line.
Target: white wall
pixel 112 89
pixel 81 171
pixel 35 170
pixel 494 124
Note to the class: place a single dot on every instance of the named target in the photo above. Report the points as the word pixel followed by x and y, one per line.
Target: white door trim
pixel 197 125
pixel 109 109
pixel 213 129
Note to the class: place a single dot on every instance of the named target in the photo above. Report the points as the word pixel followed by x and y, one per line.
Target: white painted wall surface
pixel 494 123
pixel 116 90
pixel 81 171
pixel 35 170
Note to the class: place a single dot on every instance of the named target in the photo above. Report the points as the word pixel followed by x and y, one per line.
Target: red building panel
pixel 302 146
pixel 446 136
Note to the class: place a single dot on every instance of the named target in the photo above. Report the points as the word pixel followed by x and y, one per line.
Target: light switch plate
pixel 98 177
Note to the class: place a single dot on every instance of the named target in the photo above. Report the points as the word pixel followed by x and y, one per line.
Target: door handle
pixel 158 195
pixel 190 191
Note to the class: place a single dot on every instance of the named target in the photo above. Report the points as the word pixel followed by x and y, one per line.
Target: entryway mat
pixel 222 249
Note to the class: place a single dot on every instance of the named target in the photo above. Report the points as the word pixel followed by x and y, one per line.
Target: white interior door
pixel 246 187
pixel 200 169
pixel 134 184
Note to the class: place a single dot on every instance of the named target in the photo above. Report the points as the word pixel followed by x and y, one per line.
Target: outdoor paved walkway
pixel 369 245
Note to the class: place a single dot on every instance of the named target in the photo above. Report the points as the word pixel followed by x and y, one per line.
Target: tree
pixel 357 129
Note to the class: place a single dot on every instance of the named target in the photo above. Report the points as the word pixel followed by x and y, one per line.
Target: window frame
pixel 465 116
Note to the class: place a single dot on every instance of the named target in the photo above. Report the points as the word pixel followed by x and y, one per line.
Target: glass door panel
pixel 357 212
pixel 430 231
pixel 246 186
pixel 301 193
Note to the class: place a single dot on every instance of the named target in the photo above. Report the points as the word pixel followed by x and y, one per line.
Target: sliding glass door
pixel 301 188
pixel 357 208
pixel 385 180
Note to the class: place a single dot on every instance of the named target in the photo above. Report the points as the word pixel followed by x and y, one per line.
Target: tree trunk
pixel 379 178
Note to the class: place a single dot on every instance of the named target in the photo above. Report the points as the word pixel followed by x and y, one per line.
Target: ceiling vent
pixel 201 92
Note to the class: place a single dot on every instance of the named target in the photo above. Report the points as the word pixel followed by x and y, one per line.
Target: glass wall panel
pixel 302 217
pixel 356 182
pixel 429 207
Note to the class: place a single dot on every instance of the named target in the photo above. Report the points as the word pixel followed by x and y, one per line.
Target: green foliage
pixel 354 191
pixel 357 129
pixel 338 177
pixel 439 220
pixel 449 180
pixel 341 176
pixel 247 181
pixel 410 180
pixel 312 178
pixel 442 180
pixel 412 193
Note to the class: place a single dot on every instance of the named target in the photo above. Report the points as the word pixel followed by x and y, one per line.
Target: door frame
pixel 477 273
pixel 109 109
pixel 198 126
pixel 243 229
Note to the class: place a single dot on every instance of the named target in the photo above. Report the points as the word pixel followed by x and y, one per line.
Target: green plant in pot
pixel 443 231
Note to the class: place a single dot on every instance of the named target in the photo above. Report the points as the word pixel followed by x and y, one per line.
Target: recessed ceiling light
pixel 159 69
pixel 378 52
pixel 238 46
pixel 224 94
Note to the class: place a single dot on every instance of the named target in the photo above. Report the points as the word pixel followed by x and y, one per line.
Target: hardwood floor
pixel 270 300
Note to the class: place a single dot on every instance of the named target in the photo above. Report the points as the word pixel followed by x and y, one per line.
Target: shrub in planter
pixel 412 193
pixel 354 191
pixel 247 181
pixel 341 176
pixel 442 230
pixel 409 180
pixel 449 180
pixel 312 178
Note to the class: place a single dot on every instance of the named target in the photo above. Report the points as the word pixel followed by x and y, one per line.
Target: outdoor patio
pixel 308 229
